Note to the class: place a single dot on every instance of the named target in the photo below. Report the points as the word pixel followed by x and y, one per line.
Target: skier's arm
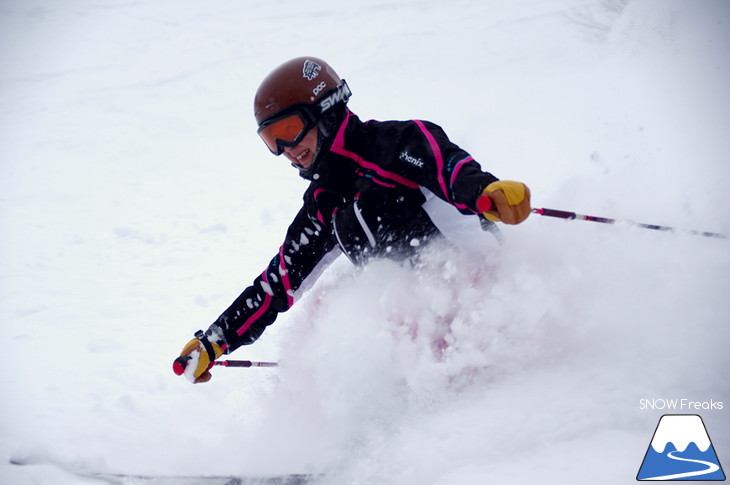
pixel 444 169
pixel 273 291
pixel 306 244
pixel 458 179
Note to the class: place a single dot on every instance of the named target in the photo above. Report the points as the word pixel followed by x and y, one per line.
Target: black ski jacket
pixel 391 164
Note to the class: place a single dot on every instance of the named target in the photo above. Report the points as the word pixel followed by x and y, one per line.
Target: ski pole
pixel 606 220
pixel 178 367
pixel 244 363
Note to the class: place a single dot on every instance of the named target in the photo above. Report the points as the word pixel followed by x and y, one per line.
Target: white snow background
pixel 136 202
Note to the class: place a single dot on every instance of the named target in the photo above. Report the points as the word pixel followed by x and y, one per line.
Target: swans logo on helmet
pixel 342 94
pixel 310 70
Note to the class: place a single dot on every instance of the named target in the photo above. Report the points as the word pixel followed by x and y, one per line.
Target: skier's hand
pixel 506 201
pixel 195 360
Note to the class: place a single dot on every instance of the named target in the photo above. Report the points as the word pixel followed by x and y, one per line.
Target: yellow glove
pixel 197 358
pixel 506 201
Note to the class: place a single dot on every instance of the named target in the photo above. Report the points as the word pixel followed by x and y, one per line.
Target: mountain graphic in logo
pixel 680 450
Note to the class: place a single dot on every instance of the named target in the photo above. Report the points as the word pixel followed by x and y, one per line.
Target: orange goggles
pixel 286 130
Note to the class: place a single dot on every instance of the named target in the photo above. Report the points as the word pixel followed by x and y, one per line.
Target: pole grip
pixel 234 363
pixel 555 213
pixel 244 363
pixel 179 365
pixel 484 203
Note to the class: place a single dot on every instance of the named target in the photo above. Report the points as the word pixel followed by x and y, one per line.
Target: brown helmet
pixel 305 87
pixel 300 80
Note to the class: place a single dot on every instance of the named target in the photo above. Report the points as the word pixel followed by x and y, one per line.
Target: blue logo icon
pixel 681 450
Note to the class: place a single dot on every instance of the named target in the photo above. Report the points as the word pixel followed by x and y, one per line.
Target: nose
pixel 291 150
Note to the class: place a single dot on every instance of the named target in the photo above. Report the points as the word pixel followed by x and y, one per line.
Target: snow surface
pixel 136 202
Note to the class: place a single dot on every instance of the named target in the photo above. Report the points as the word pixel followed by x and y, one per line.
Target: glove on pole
pixel 200 353
pixel 506 201
pixel 605 220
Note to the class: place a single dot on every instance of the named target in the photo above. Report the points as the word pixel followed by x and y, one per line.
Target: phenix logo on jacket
pixel 407 157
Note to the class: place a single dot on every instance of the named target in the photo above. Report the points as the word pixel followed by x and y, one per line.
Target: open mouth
pixel 302 155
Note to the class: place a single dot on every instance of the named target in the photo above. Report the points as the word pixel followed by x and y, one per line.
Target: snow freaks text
pixel 679 405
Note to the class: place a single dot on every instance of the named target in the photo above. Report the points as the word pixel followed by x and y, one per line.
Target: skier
pixel 368 185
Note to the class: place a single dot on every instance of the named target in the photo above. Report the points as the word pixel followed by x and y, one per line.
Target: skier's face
pixel 303 154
